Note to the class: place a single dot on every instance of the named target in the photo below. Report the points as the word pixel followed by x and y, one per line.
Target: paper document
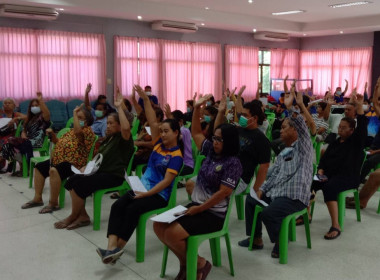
pixel 135 183
pixel 4 121
pixel 254 195
pixel 168 216
pixel 264 100
pixel 147 128
pixel 315 178
pixel 315 101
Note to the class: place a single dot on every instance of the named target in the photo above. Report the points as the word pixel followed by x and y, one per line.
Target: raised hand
pixel 118 98
pixel 78 108
pixel 167 111
pixel 88 88
pixel 288 100
pixel 242 89
pixel 195 96
pixel 140 91
pixel 299 98
pixel 202 100
pixel 39 96
pixel 223 104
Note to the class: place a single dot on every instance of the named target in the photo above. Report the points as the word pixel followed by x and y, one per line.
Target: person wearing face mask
pixel 153 99
pixel 72 148
pixel 99 114
pixel 33 134
pixel 338 95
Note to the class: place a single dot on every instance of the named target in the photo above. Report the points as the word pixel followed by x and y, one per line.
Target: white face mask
pixel 35 110
pixel 230 116
pixel 148 93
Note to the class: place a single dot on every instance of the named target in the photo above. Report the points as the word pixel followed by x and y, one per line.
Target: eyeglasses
pixel 217 139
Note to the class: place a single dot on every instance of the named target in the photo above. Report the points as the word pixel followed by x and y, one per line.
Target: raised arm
pixel 44 109
pixel 330 101
pixel 239 101
pixel 168 112
pixel 285 85
pixel 196 130
pixel 78 130
pixel 305 111
pixel 221 112
pixel 375 99
pixel 86 98
pixel 149 113
pixel 138 108
pixel 346 88
pixel 257 97
pixel 124 123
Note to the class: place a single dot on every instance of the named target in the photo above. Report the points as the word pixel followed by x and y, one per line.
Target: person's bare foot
pixel 64 223
pixel 81 221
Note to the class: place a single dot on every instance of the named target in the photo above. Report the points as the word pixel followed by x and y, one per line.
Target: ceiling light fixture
pixel 304 34
pixel 250 1
pixel 288 12
pixel 207 8
pixel 341 32
pixel 343 5
pixel 60 9
pixel 254 30
pixel 202 24
pixel 139 17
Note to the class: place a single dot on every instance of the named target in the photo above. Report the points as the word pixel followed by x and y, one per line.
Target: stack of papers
pixel 168 216
pixel 135 183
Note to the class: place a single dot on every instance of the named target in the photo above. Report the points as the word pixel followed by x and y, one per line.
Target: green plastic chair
pixel 35 160
pixel 378 207
pixel 62 191
pixel 187 124
pixel 287 231
pixel 141 227
pixel 342 206
pixel 97 200
pixel 239 198
pixel 193 243
pixel 69 123
pixel 139 169
pixel 135 127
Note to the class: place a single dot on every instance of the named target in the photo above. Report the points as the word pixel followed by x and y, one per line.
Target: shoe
pixel 275 252
pixel 332 229
pixel 113 255
pixel 101 252
pixel 245 243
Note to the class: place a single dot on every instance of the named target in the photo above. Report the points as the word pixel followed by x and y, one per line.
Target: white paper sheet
pixel 4 121
pixel 147 128
pixel 135 183
pixel 315 101
pixel 254 195
pixel 87 170
pixel 168 216
pixel 264 100
pixel 315 178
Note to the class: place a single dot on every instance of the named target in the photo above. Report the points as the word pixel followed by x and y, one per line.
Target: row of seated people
pixel 286 186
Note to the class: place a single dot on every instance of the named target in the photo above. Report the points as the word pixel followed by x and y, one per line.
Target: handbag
pixel 92 166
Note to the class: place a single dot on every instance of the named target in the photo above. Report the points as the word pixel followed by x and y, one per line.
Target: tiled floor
pixel 32 249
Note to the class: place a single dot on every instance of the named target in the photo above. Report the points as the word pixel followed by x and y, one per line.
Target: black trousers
pixel 335 185
pixel 369 164
pixel 126 212
pixel 271 216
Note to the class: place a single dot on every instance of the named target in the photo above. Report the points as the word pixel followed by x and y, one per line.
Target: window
pixel 264 70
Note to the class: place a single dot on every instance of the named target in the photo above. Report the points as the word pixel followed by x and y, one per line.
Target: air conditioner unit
pixel 174 26
pixel 271 36
pixel 28 12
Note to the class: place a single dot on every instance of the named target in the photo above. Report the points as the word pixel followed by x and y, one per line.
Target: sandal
pixel 31 204
pixel 49 209
pixel 300 221
pixel 332 229
pixel 115 195
pixel 78 225
pixel 276 251
pixel 204 271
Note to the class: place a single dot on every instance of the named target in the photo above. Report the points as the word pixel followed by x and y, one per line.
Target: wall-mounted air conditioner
pixel 28 12
pixel 174 26
pixel 271 36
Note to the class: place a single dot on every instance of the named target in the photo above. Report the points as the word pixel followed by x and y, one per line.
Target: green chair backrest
pixel 91 154
pixel 129 168
pixel 19 129
pixel 135 127
pixel 62 132
pixel 69 122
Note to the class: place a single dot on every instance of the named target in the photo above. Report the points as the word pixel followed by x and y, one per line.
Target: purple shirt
pixel 215 171
pixel 188 152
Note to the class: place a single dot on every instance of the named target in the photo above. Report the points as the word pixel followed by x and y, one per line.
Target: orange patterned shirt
pixel 70 149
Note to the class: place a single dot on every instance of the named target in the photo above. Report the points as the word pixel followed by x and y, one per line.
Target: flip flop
pixel 49 209
pixel 300 221
pixel 60 225
pixel 78 225
pixel 115 196
pixel 332 229
pixel 205 270
pixel 31 204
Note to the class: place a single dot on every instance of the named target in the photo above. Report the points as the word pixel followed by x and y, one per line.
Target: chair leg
pixel 24 167
pixel 240 206
pixel 215 251
pixel 191 259
pixel 97 201
pixel 307 229
pixel 31 168
pixel 292 229
pixel 140 239
pixel 164 261
pixel 229 252
pixel 341 210
pixel 312 209
pixel 283 240
pixel 378 208
pixel 357 205
pixel 258 210
pixel 62 196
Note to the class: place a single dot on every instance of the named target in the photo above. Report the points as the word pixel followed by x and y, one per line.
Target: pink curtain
pixel 329 68
pixel 242 69
pixel 284 62
pixel 60 64
pixel 126 69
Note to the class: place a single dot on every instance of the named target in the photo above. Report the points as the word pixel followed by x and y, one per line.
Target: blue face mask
pixel 207 119
pixel 208 103
pixel 338 92
pixel 188 110
pixel 81 123
pixel 98 113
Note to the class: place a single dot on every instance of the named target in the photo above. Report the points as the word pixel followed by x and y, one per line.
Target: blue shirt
pixel 162 160
pixel 99 127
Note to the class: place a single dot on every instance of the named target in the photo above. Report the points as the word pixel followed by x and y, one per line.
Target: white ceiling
pixel 237 15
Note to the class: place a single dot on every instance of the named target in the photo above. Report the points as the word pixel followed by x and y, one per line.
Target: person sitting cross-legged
pixel 287 187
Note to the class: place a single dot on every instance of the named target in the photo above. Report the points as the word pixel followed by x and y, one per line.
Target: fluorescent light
pixel 254 30
pixel 202 24
pixel 139 17
pixel 341 32
pixel 288 12
pixel 342 5
pixel 60 9
pixel 250 1
pixel 304 34
pixel 207 8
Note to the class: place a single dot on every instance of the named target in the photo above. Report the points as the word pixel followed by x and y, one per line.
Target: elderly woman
pixel 8 131
pixel 216 181
pixel 72 148
pixel 116 149
pixel 33 134
pixel 163 166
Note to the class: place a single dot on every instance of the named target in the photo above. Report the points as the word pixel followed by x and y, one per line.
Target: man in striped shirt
pixel 287 188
